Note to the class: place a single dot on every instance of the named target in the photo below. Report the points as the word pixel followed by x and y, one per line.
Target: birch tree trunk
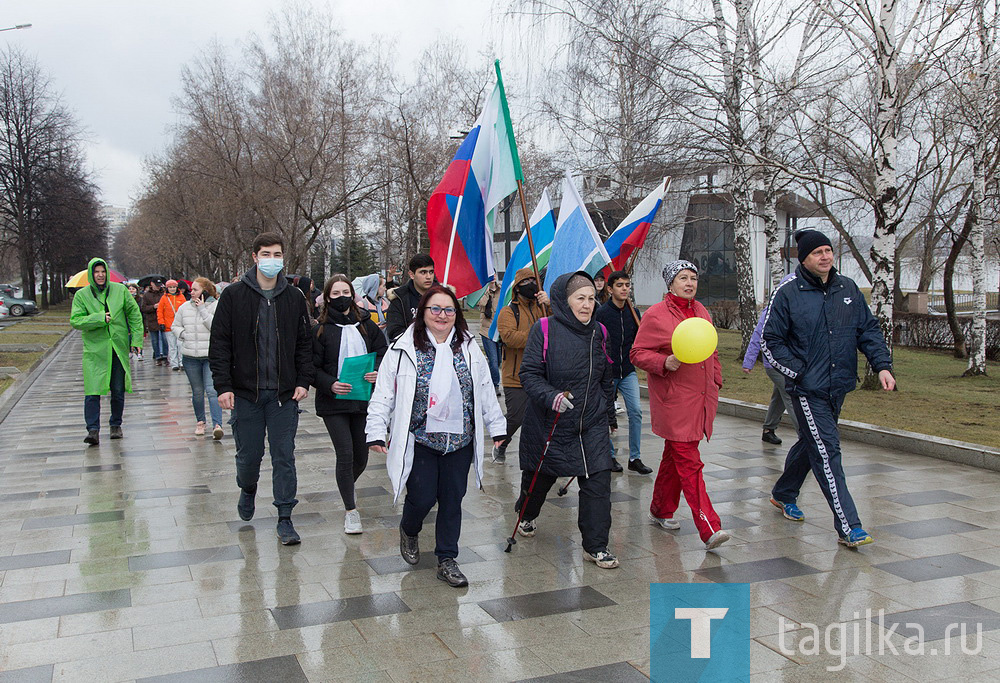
pixel 886 199
pixel 977 235
pixel 741 178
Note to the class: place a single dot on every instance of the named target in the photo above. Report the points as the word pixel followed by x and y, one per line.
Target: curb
pixel 13 393
pixel 962 452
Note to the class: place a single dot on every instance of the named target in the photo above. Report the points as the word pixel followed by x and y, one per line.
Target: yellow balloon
pixel 694 340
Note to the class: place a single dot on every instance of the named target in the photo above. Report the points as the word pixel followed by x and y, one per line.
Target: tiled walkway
pixel 128 561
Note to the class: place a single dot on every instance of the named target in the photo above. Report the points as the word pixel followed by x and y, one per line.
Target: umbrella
pixel 80 279
pixel 144 281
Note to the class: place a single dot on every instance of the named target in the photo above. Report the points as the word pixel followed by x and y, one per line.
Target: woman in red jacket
pixel 682 401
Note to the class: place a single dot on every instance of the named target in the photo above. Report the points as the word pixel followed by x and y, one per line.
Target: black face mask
pixel 340 303
pixel 528 291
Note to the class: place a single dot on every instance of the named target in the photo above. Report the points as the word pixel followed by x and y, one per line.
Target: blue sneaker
pixel 789 510
pixel 857 537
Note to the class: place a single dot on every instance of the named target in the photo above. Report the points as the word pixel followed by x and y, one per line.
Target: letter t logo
pixel 701 627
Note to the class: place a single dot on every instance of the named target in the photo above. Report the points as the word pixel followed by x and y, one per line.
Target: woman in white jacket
pixel 193 328
pixel 434 414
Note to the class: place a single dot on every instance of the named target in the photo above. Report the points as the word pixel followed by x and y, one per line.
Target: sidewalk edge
pixel 962 452
pixel 14 393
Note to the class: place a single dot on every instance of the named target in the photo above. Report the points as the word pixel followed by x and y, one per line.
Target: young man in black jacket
pixel 261 359
pixel 616 314
pixel 403 300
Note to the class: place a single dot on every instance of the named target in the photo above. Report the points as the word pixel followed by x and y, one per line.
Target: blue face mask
pixel 270 267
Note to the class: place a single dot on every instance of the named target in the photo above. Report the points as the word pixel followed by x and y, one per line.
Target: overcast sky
pixel 117 63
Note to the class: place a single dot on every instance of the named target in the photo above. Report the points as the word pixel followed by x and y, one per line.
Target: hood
pixel 807 276
pixel 369 286
pixel 560 304
pixel 522 274
pixel 94 262
pixel 250 279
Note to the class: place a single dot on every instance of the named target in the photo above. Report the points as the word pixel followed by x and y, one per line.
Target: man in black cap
pixel 816 323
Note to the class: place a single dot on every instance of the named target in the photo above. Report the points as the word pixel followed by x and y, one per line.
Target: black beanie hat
pixel 810 240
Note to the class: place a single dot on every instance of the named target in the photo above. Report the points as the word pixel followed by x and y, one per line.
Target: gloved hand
pixel 163 328
pixel 561 403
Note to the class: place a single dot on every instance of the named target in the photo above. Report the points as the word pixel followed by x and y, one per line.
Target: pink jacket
pixel 682 403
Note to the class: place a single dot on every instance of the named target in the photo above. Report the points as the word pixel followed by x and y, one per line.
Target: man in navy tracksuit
pixel 817 322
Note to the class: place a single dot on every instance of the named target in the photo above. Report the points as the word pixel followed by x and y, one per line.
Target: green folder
pixel 353 372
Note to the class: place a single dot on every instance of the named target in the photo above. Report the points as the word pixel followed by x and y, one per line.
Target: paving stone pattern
pixel 127 561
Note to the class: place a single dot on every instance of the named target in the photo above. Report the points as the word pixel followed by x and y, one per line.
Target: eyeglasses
pixel 449 311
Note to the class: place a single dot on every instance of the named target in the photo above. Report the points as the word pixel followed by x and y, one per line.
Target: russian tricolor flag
pixel 461 211
pixel 631 234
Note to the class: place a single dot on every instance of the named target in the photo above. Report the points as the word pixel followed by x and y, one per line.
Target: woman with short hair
pixel 434 398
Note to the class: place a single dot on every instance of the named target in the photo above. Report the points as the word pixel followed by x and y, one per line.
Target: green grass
pixel 21 361
pixel 24 361
pixel 932 397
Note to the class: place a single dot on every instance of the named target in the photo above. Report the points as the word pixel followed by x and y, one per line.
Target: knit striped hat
pixel 671 270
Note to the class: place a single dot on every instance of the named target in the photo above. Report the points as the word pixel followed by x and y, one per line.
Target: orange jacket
pixel 167 308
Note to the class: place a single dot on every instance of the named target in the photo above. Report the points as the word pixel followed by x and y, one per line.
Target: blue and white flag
pixel 543 229
pixel 577 244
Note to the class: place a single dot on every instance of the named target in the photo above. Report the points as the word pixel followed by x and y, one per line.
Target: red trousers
pixel 680 470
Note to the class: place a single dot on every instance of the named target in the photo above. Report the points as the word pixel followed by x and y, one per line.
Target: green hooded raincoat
pixel 101 339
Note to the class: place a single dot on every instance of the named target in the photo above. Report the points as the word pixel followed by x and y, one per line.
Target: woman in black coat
pixel 569 375
pixel 344 329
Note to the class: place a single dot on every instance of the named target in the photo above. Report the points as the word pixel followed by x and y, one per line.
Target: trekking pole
pixel 564 489
pixel 531 487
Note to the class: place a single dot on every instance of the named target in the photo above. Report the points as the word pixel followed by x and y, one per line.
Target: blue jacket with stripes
pixel 813 333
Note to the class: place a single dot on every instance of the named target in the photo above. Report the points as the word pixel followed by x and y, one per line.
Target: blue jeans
pixel 200 377
pixel 818 450
pixel 92 402
pixel 158 340
pixel 629 387
pixel 278 420
pixel 492 351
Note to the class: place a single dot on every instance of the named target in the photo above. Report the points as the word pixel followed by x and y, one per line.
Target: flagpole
pixel 454 223
pixel 628 271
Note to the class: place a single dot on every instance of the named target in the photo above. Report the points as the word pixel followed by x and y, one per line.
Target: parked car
pixel 19 307
pixel 8 289
pixel 3 310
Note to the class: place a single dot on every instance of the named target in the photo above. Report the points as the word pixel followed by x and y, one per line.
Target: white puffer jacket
pixel 193 327
pixel 392 403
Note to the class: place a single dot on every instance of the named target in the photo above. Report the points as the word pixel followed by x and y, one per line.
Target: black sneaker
pixel 639 466
pixel 93 437
pixel 616 466
pixel 286 532
pixel 409 548
pixel 246 505
pixel 448 571
pixel 770 437
pixel 116 433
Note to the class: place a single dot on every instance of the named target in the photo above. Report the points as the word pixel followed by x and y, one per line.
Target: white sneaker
pixel 665 522
pixel 618 409
pixel 716 539
pixel 602 558
pixel 352 522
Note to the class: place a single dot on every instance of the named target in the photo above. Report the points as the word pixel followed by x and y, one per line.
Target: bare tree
pixel 35 133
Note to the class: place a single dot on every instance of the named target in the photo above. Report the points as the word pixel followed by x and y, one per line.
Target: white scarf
pixel 351 344
pixel 445 411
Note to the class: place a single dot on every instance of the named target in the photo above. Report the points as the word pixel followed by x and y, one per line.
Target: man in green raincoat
pixel 110 323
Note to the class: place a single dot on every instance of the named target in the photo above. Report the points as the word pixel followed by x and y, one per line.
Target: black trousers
pixel 594 516
pixel 347 432
pixel 516 399
pixel 442 479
